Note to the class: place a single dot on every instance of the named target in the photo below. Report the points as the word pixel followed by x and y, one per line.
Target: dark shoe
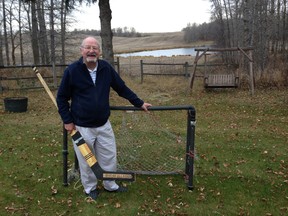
pixel 93 194
pixel 121 189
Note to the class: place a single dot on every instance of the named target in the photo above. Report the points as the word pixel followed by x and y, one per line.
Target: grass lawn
pixel 241 167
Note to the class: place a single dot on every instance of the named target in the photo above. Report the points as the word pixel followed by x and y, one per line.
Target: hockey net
pixel 158 142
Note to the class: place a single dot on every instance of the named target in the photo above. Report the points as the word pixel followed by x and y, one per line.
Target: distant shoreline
pixel 154 41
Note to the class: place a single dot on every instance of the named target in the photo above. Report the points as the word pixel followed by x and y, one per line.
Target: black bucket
pixel 16 104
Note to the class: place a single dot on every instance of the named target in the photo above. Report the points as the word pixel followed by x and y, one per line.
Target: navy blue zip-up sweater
pixel 89 106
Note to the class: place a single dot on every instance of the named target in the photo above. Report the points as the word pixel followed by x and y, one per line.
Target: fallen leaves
pixel 202 195
pixel 54 190
pixel 117 205
pixel 12 209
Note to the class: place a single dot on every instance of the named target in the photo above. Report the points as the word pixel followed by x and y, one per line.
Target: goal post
pixel 159 142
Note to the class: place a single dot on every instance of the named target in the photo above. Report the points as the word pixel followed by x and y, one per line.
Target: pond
pixel 162 52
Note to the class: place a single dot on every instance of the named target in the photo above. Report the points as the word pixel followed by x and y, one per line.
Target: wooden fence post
pixel 142 72
pixel 118 65
pixel 251 73
pixel 186 65
pixel 54 75
pixel 1 89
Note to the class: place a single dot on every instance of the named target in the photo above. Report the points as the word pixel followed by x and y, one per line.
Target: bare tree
pixel 52 32
pixel 1 46
pixel 228 21
pixel 42 34
pixel 5 33
pixel 218 17
pixel 34 36
pixel 20 33
pixel 258 23
pixel 10 20
pixel 284 29
pixel 63 12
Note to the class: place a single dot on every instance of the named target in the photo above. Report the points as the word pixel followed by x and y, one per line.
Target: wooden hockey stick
pixel 84 148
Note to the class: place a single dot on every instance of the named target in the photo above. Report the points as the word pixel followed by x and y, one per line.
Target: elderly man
pixel 83 104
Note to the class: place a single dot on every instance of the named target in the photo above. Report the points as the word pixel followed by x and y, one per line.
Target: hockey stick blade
pixel 92 161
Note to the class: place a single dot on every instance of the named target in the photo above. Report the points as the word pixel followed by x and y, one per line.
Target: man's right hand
pixel 70 127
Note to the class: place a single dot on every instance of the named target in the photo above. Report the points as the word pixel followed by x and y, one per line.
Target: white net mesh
pixel 151 143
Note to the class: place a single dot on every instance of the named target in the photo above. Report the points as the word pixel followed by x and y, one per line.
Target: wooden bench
pixel 221 81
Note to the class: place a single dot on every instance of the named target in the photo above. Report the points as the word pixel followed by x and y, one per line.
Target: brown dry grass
pixel 151 41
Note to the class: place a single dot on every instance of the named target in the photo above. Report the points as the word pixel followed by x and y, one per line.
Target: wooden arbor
pixel 223 80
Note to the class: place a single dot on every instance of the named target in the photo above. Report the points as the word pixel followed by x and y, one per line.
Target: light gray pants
pixel 101 141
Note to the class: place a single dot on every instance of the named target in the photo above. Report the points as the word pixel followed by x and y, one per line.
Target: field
pixel 241 165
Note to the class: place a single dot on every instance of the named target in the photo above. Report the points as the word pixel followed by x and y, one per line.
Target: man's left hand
pixel 145 106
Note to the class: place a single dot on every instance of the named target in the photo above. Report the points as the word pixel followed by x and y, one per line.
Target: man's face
pixel 90 51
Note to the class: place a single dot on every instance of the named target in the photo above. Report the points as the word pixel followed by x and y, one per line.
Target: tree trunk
pixel 20 35
pixel 106 32
pixel 34 36
pixel 284 29
pixel 273 25
pixel 43 42
pixel 12 37
pixel 5 34
pixel 1 47
pixel 263 34
pixel 246 22
pixel 52 32
pixel 228 21
pixel 63 31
